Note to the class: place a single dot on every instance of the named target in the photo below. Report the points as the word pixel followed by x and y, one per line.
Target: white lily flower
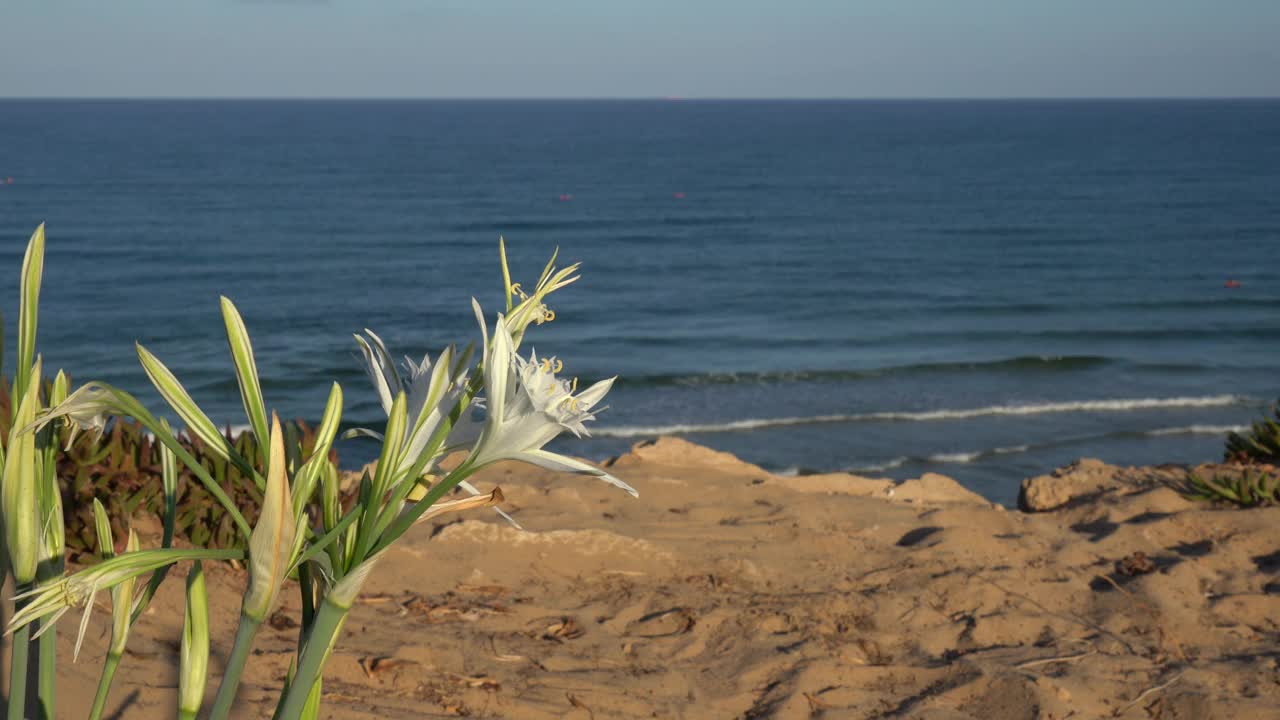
pixel 432 392
pixel 52 600
pixel 532 309
pixel 529 407
pixel 85 409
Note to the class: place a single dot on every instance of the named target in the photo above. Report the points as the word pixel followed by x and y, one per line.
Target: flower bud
pixel 271 544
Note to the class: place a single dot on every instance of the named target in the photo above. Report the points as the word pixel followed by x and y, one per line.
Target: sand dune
pixel 727 592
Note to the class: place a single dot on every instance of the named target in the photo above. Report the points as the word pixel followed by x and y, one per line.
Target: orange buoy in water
pixel 565 197
pixel 678 196
pixel 1232 284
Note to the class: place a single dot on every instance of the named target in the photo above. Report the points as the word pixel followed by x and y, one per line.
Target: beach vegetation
pixel 1247 487
pixel 1259 444
pixel 121 467
pixel 282 513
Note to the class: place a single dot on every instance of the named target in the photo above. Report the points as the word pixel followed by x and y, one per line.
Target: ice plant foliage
pixel 304 530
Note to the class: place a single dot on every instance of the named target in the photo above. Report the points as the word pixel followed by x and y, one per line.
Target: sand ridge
pixel 728 592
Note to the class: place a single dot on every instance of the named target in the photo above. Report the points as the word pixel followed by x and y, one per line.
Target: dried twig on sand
pixel 1064 616
pixel 1055 659
pixel 1144 694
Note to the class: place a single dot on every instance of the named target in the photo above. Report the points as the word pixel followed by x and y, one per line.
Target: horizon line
pixel 642 98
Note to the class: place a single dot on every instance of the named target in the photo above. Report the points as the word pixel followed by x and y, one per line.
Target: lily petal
pixel 561 463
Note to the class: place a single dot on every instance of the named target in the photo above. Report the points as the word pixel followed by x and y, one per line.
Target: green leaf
pixel 197 422
pixel 102 524
pixel 246 374
pixel 321 544
pixel 169 482
pixel 107 399
pixel 392 444
pixel 309 475
pixel 28 312
pixel 21 475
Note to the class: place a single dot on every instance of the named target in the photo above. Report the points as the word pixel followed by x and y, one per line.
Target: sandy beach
pixel 728 592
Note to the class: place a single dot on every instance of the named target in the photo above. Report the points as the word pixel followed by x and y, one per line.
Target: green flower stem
pixel 104 685
pixel 312 710
pixel 405 520
pixel 235 666
pixel 325 629
pixel 307 589
pixel 186 714
pixel 18 668
pixel 48 685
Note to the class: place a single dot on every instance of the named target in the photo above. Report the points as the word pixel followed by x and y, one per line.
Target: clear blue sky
pixel 617 48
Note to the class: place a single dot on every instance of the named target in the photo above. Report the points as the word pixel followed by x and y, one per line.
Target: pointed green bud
pixel 61 386
pixel 271 545
pixel 344 593
pixel 194 656
pixel 122 604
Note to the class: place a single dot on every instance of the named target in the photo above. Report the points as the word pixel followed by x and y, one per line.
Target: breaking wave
pixel 1124 405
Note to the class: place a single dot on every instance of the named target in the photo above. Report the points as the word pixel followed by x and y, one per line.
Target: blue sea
pixel 983 289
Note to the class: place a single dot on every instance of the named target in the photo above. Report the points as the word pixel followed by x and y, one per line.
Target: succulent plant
pixel 122 470
pixel 1259 444
pixel 1247 488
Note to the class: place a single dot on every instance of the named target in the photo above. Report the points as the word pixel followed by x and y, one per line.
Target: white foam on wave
pixel 236 430
pixel 959 458
pixel 881 467
pixel 1198 430
pixel 1123 405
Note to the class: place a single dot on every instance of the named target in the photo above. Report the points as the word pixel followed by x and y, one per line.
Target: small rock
pixel 935 488
pixel 1136 564
pixel 678 452
pixel 834 483
pixel 1052 491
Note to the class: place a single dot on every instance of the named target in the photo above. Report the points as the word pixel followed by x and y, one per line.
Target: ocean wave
pixel 957 458
pixel 882 467
pixel 1118 405
pixel 1197 430
pixel 1036 363
pixel 964 458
